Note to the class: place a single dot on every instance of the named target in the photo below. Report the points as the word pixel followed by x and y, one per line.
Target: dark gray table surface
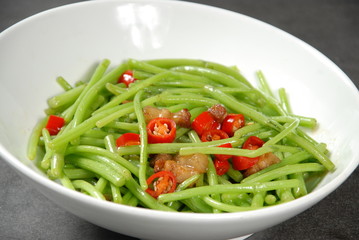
pixel 331 26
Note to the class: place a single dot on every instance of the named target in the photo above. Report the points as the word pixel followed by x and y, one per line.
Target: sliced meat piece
pixel 158 161
pixel 264 161
pixel 218 111
pixel 150 113
pixel 182 167
pixel 182 118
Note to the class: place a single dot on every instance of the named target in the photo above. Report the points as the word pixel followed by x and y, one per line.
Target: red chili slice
pixel 165 183
pixel 161 130
pixel 213 134
pixel 253 143
pixel 204 122
pixel 128 139
pixel 232 122
pixel 222 166
pixel 221 160
pixel 54 124
pixel 127 78
pixel 241 162
pixel 224 157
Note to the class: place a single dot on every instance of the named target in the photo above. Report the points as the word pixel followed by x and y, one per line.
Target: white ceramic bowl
pixel 69 40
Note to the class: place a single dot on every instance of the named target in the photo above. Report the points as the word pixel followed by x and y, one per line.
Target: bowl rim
pixel 309 200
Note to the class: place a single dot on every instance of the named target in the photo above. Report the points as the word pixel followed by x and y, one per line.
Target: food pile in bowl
pixel 178 135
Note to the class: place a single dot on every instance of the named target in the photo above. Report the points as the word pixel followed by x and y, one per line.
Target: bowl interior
pixel 59 42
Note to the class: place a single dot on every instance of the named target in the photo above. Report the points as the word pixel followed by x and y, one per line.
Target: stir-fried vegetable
pixel 178 135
